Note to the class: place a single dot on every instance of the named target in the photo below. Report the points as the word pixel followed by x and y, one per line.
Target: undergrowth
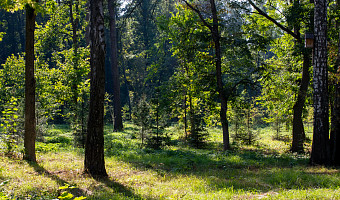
pixel 264 170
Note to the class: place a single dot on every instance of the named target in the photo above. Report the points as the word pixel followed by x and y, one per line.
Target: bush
pixel 60 139
pixel 42 147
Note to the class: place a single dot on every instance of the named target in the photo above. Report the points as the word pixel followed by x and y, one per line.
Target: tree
pixel 118 123
pixel 215 34
pixel 94 163
pixel 30 123
pixel 320 148
pixel 295 15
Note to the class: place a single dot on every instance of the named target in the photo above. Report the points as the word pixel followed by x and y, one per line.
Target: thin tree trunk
pixel 30 123
pixel 298 129
pixel 94 163
pixel 118 122
pixel 218 65
pixel 320 147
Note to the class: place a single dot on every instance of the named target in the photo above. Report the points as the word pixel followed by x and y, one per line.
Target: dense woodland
pixel 235 67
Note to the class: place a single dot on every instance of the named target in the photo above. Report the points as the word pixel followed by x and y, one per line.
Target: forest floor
pixel 265 170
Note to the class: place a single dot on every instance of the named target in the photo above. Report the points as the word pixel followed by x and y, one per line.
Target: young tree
pixel 215 34
pixel 295 15
pixel 94 163
pixel 320 148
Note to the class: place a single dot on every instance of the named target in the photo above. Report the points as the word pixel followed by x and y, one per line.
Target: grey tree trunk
pixel 320 147
pixel 30 123
pixel 118 122
pixel 94 163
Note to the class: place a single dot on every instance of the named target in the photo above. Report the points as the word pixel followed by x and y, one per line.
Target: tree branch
pixel 199 14
pixel 260 12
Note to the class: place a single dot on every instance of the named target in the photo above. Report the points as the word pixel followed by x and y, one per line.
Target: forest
pixel 169 99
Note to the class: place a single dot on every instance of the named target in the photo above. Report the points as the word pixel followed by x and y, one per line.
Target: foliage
pixel 12 124
pixel 148 116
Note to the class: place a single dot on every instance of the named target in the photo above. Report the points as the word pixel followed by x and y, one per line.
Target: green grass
pixel 265 170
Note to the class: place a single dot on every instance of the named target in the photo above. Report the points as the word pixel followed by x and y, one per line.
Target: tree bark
pixel 94 163
pixel 118 122
pixel 298 129
pixel 30 123
pixel 335 126
pixel 320 147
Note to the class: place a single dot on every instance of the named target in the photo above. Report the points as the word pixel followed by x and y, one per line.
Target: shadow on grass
pixel 241 169
pixel 119 189
pixel 42 171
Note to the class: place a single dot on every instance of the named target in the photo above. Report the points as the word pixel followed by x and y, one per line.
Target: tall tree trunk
pixel 30 123
pixel 298 129
pixel 218 65
pixel 335 117
pixel 320 147
pixel 335 126
pixel 94 163
pixel 118 122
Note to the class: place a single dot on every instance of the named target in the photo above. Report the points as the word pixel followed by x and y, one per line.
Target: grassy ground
pixel 265 170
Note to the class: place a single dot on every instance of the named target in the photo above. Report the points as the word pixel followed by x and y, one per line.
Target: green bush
pixel 59 139
pixel 42 147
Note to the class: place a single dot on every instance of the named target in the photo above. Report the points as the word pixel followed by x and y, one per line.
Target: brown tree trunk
pixel 298 129
pixel 30 123
pixel 94 163
pixel 320 147
pixel 218 64
pixel 118 122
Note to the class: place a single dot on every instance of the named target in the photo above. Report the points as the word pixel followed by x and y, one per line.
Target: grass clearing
pixel 265 170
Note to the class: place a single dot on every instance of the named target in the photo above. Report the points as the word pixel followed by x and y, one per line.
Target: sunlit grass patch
pixel 264 170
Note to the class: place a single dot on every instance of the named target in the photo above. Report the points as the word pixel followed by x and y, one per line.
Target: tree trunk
pixel 335 128
pixel 94 163
pixel 118 123
pixel 218 64
pixel 335 117
pixel 320 147
pixel 298 129
pixel 30 123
